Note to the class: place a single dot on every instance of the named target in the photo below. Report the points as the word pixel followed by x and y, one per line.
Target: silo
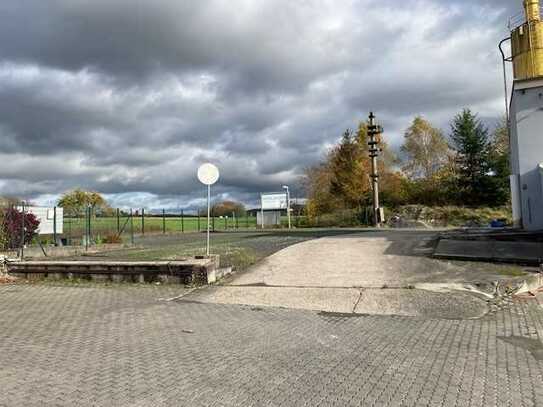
pixel 527 43
pixel 526 118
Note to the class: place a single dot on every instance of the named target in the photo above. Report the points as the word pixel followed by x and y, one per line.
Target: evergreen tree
pixel 470 140
pixel 498 156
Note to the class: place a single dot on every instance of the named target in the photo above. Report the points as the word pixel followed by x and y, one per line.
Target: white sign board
pixel 46 216
pixel 274 201
pixel 208 174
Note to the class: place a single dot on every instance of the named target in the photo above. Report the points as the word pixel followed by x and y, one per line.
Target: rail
pixel 517 20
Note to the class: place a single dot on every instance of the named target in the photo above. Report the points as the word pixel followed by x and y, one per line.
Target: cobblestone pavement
pixel 122 346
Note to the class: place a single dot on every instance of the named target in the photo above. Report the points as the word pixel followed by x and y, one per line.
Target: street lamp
pixel 285 187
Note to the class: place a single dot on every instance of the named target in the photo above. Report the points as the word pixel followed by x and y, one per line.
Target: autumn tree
pixel 349 172
pixel 316 182
pixel 425 149
pixel 342 180
pixel 75 202
pixel 227 208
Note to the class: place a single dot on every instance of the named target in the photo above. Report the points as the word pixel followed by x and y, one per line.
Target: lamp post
pixel 285 187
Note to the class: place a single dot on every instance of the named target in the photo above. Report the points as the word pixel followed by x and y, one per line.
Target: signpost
pixel 208 174
pixel 273 201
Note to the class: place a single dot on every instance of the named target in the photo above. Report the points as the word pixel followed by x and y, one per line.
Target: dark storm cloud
pixel 129 97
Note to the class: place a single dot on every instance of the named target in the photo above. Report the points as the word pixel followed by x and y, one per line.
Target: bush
pixel 11 230
pixel 112 239
pixel 443 216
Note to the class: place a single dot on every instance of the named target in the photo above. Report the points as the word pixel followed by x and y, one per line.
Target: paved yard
pixel 281 334
pixel 123 346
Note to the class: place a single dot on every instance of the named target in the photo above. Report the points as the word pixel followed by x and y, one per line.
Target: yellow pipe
pixel 532 10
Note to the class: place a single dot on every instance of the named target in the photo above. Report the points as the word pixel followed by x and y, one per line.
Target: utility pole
pixel 373 132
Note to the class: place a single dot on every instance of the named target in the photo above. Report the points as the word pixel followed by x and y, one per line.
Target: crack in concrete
pixel 360 291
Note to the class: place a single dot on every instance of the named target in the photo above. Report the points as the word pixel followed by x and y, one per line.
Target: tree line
pixel 467 167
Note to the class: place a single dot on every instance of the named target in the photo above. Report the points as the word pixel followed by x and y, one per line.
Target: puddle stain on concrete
pixel 534 346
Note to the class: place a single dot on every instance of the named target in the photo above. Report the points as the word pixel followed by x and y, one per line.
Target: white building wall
pixel 46 216
pixel 527 150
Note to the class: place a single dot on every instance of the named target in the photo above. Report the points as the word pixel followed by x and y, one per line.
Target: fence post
pixel 131 226
pixel 163 221
pixel 55 225
pixel 70 239
pixel 198 210
pixel 236 218
pixel 90 225
pixel 182 221
pixel 23 231
pixel 86 228
pixel 118 222
pixel 226 223
pixel 143 221
pixel 213 220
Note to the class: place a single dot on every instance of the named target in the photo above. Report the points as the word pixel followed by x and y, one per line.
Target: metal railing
pixel 518 20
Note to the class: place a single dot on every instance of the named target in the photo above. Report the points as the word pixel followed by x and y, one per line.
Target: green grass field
pixel 74 228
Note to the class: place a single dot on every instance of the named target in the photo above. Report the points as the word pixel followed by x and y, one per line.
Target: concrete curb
pixel 514 252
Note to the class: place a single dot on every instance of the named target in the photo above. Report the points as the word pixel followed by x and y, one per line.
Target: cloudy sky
pixel 128 97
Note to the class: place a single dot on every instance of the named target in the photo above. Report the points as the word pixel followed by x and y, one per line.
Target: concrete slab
pixel 389 259
pixel 421 303
pixel 378 273
pixel 319 299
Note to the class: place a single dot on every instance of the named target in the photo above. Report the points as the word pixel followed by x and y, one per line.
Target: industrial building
pixel 526 118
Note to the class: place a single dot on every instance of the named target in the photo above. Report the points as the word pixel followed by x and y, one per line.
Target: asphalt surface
pixel 121 346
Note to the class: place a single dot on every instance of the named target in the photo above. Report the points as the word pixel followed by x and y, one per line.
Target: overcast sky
pixel 128 97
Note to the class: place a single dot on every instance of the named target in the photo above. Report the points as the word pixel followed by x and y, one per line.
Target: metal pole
pixel 208 216
pixel 163 221
pixel 261 212
pixel 55 225
pixel 288 208
pixel 118 222
pixel 198 220
pixel 506 88
pixel 182 221
pixel 23 231
pixel 90 224
pixel 373 131
pixel 143 221
pixel 86 228
pixel 131 226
